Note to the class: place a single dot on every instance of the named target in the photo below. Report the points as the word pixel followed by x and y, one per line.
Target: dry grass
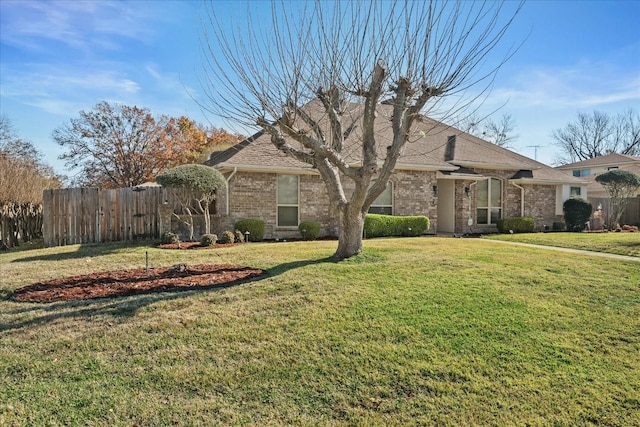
pixel 420 331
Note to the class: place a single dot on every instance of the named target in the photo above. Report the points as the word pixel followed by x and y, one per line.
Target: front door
pixel 446 206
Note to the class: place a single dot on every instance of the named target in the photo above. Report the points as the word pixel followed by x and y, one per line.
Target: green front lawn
pixel 614 243
pixel 416 331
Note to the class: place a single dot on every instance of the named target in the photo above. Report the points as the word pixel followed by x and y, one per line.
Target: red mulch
pixel 131 282
pixel 195 245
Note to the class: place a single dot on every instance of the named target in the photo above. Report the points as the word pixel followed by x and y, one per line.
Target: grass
pixel 415 331
pixel 615 243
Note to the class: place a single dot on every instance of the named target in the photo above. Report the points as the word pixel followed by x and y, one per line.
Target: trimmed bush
pixel 239 236
pixel 376 225
pixel 255 227
pixel 558 226
pixel 208 239
pixel 577 212
pixel 309 230
pixel 517 224
pixel 168 237
pixel 227 237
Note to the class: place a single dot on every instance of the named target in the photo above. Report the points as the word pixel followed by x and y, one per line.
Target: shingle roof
pixel 431 146
pixel 606 160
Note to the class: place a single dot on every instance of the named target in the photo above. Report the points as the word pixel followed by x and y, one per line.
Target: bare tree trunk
pixel 350 237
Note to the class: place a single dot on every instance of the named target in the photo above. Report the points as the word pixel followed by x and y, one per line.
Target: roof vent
pixel 449 153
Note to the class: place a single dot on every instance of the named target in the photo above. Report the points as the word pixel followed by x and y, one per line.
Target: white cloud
pixel 582 86
pixel 169 83
pixel 61 89
pixel 81 25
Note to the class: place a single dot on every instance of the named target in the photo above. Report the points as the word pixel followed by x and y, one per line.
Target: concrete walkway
pixel 573 251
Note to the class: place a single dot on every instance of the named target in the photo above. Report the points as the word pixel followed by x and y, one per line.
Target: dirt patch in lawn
pixel 138 281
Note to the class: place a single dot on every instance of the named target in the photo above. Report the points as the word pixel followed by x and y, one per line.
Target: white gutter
pixel 227 189
pixel 521 198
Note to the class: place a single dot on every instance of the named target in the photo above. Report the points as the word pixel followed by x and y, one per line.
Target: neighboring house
pixel 589 169
pixel 598 194
pixel 462 183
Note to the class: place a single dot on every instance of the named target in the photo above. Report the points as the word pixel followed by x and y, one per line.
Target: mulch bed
pixel 195 245
pixel 138 281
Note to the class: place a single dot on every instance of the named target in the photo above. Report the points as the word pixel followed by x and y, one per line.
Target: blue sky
pixel 60 57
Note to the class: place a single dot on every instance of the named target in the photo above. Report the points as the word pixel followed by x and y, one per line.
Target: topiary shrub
pixel 376 225
pixel 168 237
pixel 239 236
pixel 557 226
pixel 208 239
pixel 517 224
pixel 577 212
pixel 255 227
pixel 227 237
pixel 309 230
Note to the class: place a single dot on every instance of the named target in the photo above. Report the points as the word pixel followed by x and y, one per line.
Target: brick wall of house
pixel 413 195
pixel 539 200
pixel 540 204
pixel 253 195
pixel 466 208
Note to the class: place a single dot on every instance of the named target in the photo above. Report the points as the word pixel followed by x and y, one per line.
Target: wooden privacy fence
pixel 90 215
pixel 631 214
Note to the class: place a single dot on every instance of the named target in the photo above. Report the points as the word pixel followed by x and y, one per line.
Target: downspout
pixel 227 189
pixel 521 198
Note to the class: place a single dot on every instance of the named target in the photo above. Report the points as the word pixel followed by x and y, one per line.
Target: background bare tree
pixel 597 134
pixel 416 56
pixel 23 177
pixel 119 146
pixel 501 133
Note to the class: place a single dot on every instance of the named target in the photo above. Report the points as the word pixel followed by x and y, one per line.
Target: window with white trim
pixel 383 204
pixel 287 211
pixel 581 172
pixel 575 192
pixel 489 201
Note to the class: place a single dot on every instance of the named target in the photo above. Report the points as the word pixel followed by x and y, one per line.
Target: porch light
pixel 435 190
pixel 467 191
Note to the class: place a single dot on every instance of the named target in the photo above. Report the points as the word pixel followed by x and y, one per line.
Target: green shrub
pixel 517 224
pixel 239 236
pixel 168 237
pixel 577 212
pixel 208 239
pixel 557 226
pixel 376 225
pixel 227 237
pixel 255 227
pixel 309 230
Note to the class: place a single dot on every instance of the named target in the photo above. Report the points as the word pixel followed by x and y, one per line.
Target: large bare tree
pixel 417 56
pixel 597 134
